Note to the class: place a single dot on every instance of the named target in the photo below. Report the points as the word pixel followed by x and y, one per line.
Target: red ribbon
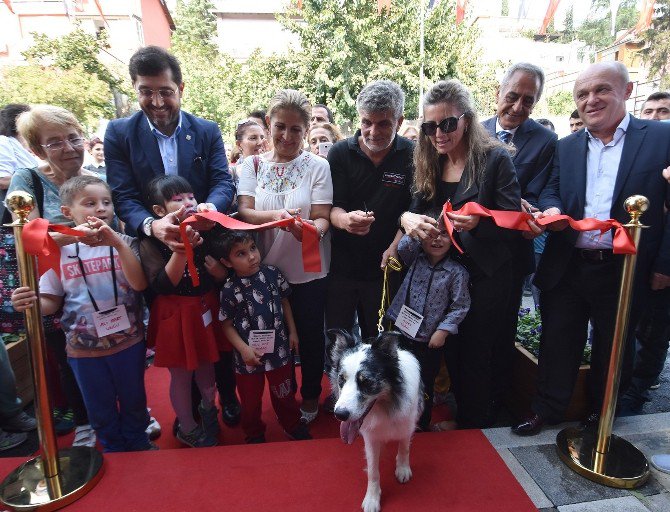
pixel 38 242
pixel 311 257
pixel 622 243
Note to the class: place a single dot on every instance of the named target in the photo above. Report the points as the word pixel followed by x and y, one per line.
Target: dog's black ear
pixel 387 342
pixel 341 341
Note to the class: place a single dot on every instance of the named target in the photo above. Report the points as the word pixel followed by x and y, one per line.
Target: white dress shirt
pixel 168 147
pixel 14 156
pixel 602 167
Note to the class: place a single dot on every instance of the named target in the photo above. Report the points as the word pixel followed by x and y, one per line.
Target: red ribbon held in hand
pixel 622 243
pixel 311 257
pixel 38 242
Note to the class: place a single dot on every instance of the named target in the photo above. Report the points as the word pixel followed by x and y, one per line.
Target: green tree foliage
pixel 75 89
pixel 561 103
pixel 346 45
pixel 596 30
pixel 657 44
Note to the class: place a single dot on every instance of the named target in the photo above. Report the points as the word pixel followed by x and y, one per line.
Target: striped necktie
pixel 504 136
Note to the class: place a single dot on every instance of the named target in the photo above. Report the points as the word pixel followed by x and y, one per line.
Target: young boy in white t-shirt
pixel 102 317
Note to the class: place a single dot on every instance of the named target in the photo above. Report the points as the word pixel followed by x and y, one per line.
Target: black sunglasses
pixel 446 125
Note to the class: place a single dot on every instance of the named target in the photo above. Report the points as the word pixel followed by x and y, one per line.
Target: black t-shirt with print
pixel 384 190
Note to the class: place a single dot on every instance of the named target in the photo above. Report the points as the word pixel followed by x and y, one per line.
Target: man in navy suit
pixel 520 90
pixel 162 139
pixel 594 171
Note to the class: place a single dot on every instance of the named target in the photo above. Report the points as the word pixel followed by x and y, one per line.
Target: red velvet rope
pixel 622 243
pixel 311 257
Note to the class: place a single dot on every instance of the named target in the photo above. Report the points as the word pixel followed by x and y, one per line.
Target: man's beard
pixel 378 149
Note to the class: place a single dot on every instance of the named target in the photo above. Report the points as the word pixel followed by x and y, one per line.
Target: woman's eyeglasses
pixel 76 142
pixel 447 125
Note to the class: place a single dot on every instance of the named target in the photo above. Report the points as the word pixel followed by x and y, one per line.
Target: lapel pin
pixel 188 137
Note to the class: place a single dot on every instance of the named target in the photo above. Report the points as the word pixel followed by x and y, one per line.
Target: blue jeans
pixel 10 403
pixel 114 395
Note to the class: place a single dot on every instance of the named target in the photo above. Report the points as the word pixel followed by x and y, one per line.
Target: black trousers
pixel 470 353
pixel 589 290
pixel 429 361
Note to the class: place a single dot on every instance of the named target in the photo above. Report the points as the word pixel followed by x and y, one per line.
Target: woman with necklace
pixel 289 182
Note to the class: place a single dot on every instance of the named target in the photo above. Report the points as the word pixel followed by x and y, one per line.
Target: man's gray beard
pixel 378 150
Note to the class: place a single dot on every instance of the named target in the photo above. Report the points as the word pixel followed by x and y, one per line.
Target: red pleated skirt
pixel 178 333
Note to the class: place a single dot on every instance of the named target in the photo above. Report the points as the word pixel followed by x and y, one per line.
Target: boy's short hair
pixel 74 186
pixel 222 240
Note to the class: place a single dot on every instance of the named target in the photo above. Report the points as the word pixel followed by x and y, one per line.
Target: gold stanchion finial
pixel 600 455
pixel 636 206
pixel 57 477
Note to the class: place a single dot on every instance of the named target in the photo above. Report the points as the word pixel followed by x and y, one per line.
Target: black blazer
pixel 646 152
pixel 535 146
pixel 487 244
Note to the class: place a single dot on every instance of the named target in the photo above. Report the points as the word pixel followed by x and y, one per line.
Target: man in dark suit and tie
pixel 594 171
pixel 163 139
pixel 520 90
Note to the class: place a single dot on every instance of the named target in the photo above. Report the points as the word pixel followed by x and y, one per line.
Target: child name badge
pixel 207 317
pixel 111 321
pixel 408 321
pixel 262 341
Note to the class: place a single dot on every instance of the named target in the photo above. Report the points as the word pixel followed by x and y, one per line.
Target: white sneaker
pixel 154 429
pixel 84 435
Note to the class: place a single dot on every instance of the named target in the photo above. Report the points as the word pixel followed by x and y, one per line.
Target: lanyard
pixel 83 275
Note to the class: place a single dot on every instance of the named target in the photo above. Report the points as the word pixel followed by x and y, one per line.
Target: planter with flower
pixel 524 379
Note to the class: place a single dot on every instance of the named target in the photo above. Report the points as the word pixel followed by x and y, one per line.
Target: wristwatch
pixel 146 225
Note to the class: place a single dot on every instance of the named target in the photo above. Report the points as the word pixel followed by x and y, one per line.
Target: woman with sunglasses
pixel 457 160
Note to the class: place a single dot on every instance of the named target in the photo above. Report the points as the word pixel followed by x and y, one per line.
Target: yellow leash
pixel 395 265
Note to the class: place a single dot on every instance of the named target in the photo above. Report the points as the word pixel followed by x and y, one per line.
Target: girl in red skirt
pixel 183 324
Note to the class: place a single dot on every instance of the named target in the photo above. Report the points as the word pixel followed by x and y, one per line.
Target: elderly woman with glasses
pixel 55 136
pixel 456 160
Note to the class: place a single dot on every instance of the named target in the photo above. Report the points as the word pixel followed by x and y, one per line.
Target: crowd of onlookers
pixel 376 195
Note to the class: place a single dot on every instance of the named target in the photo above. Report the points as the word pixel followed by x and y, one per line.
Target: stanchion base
pixel 26 488
pixel 623 467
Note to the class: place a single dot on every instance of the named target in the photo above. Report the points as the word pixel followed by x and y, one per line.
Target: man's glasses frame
pixel 447 125
pixel 75 142
pixel 164 92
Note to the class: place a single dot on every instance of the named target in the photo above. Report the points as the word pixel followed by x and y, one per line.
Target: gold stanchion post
pixel 54 479
pixel 600 455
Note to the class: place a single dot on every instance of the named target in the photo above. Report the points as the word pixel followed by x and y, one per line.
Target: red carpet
pixel 455 471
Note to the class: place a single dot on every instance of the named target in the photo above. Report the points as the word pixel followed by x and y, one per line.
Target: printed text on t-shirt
pixel 92 266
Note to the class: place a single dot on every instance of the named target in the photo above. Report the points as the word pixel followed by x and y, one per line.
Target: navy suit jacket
pixel 646 152
pixel 132 158
pixel 535 147
pixel 532 159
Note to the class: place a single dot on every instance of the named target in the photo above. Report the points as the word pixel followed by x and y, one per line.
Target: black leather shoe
pixel 529 426
pixel 230 413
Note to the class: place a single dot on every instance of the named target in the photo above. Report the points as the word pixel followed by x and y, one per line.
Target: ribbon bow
pixel 38 242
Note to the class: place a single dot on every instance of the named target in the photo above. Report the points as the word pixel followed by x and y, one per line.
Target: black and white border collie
pixel 379 394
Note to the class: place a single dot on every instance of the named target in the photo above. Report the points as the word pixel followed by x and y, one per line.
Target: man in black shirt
pixel 372 174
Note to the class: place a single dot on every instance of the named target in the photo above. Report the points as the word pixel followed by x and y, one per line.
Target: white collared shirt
pixel 168 147
pixel 602 167
pixel 501 129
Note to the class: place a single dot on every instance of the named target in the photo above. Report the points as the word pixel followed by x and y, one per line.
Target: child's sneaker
pixel 84 435
pixel 9 440
pixel 196 438
pixel 299 433
pixel 153 429
pixel 63 421
pixel 256 440
pixel 209 421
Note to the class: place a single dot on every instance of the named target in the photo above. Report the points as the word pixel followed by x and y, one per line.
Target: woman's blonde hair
pixel 290 99
pixel 334 131
pixel 478 142
pixel 29 124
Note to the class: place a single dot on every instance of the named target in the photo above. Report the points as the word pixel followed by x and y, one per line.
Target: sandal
pixel 444 426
